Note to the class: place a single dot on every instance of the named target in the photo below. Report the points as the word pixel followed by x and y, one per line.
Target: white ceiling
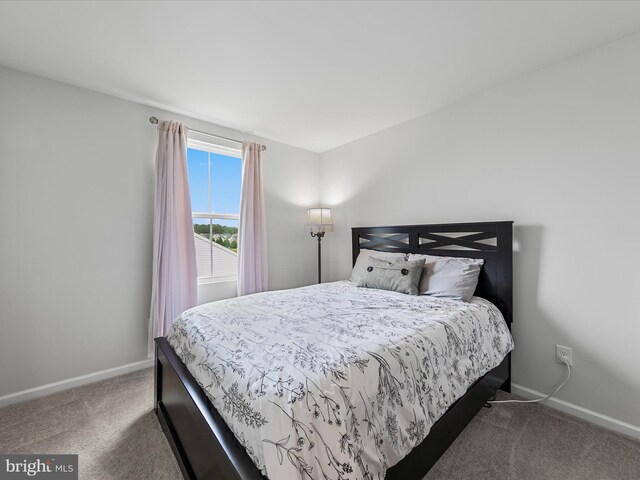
pixel 311 74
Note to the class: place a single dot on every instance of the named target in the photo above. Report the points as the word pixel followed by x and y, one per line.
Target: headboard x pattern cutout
pixel 391 241
pixel 483 241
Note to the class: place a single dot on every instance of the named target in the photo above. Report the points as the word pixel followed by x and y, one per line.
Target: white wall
pixel 76 203
pixel 557 152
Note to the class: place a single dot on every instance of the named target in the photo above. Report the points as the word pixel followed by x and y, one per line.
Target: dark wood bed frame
pixel 205 447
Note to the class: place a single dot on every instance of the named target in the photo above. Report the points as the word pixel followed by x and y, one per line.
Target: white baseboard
pixel 580 412
pixel 50 388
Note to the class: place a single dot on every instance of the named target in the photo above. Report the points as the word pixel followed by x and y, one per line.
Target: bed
pixel 295 390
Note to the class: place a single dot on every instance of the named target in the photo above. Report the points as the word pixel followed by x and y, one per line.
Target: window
pixel 215 177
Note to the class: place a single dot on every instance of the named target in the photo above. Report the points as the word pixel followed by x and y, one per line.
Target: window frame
pixel 211 147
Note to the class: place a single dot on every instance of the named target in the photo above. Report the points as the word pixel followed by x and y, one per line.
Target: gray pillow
pixel 451 277
pixel 361 261
pixel 402 277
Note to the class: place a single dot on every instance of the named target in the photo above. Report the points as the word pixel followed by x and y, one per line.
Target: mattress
pixel 334 381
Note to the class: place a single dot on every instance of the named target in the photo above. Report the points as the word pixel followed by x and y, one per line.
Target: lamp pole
pixel 319 235
pixel 319 220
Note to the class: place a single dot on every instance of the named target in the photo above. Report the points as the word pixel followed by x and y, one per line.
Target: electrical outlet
pixel 564 355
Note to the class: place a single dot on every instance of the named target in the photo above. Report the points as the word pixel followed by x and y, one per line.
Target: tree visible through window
pixel 215 177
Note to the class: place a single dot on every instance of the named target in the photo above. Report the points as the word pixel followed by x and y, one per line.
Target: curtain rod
pixel 154 121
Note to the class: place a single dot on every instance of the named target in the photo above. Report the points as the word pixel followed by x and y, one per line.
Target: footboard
pixel 201 441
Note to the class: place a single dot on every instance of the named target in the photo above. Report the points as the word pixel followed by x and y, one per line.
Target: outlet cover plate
pixel 564 353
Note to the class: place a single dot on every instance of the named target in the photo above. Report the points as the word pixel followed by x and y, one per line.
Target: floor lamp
pixel 319 222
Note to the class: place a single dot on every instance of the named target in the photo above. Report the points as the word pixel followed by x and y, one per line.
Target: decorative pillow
pixel 402 277
pixel 361 261
pixel 452 277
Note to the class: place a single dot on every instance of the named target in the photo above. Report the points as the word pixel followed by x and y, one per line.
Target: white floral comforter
pixel 333 381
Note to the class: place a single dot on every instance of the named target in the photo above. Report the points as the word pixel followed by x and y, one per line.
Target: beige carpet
pixel 111 425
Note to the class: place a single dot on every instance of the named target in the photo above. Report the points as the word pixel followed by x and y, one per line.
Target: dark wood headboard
pixel 492 241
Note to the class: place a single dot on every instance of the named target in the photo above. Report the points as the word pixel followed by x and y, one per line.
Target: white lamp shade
pixel 319 220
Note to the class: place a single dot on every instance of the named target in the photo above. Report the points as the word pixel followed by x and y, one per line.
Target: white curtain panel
pixel 252 243
pixel 174 283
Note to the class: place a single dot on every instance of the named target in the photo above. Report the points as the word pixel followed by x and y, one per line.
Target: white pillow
pixel 452 277
pixel 361 261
